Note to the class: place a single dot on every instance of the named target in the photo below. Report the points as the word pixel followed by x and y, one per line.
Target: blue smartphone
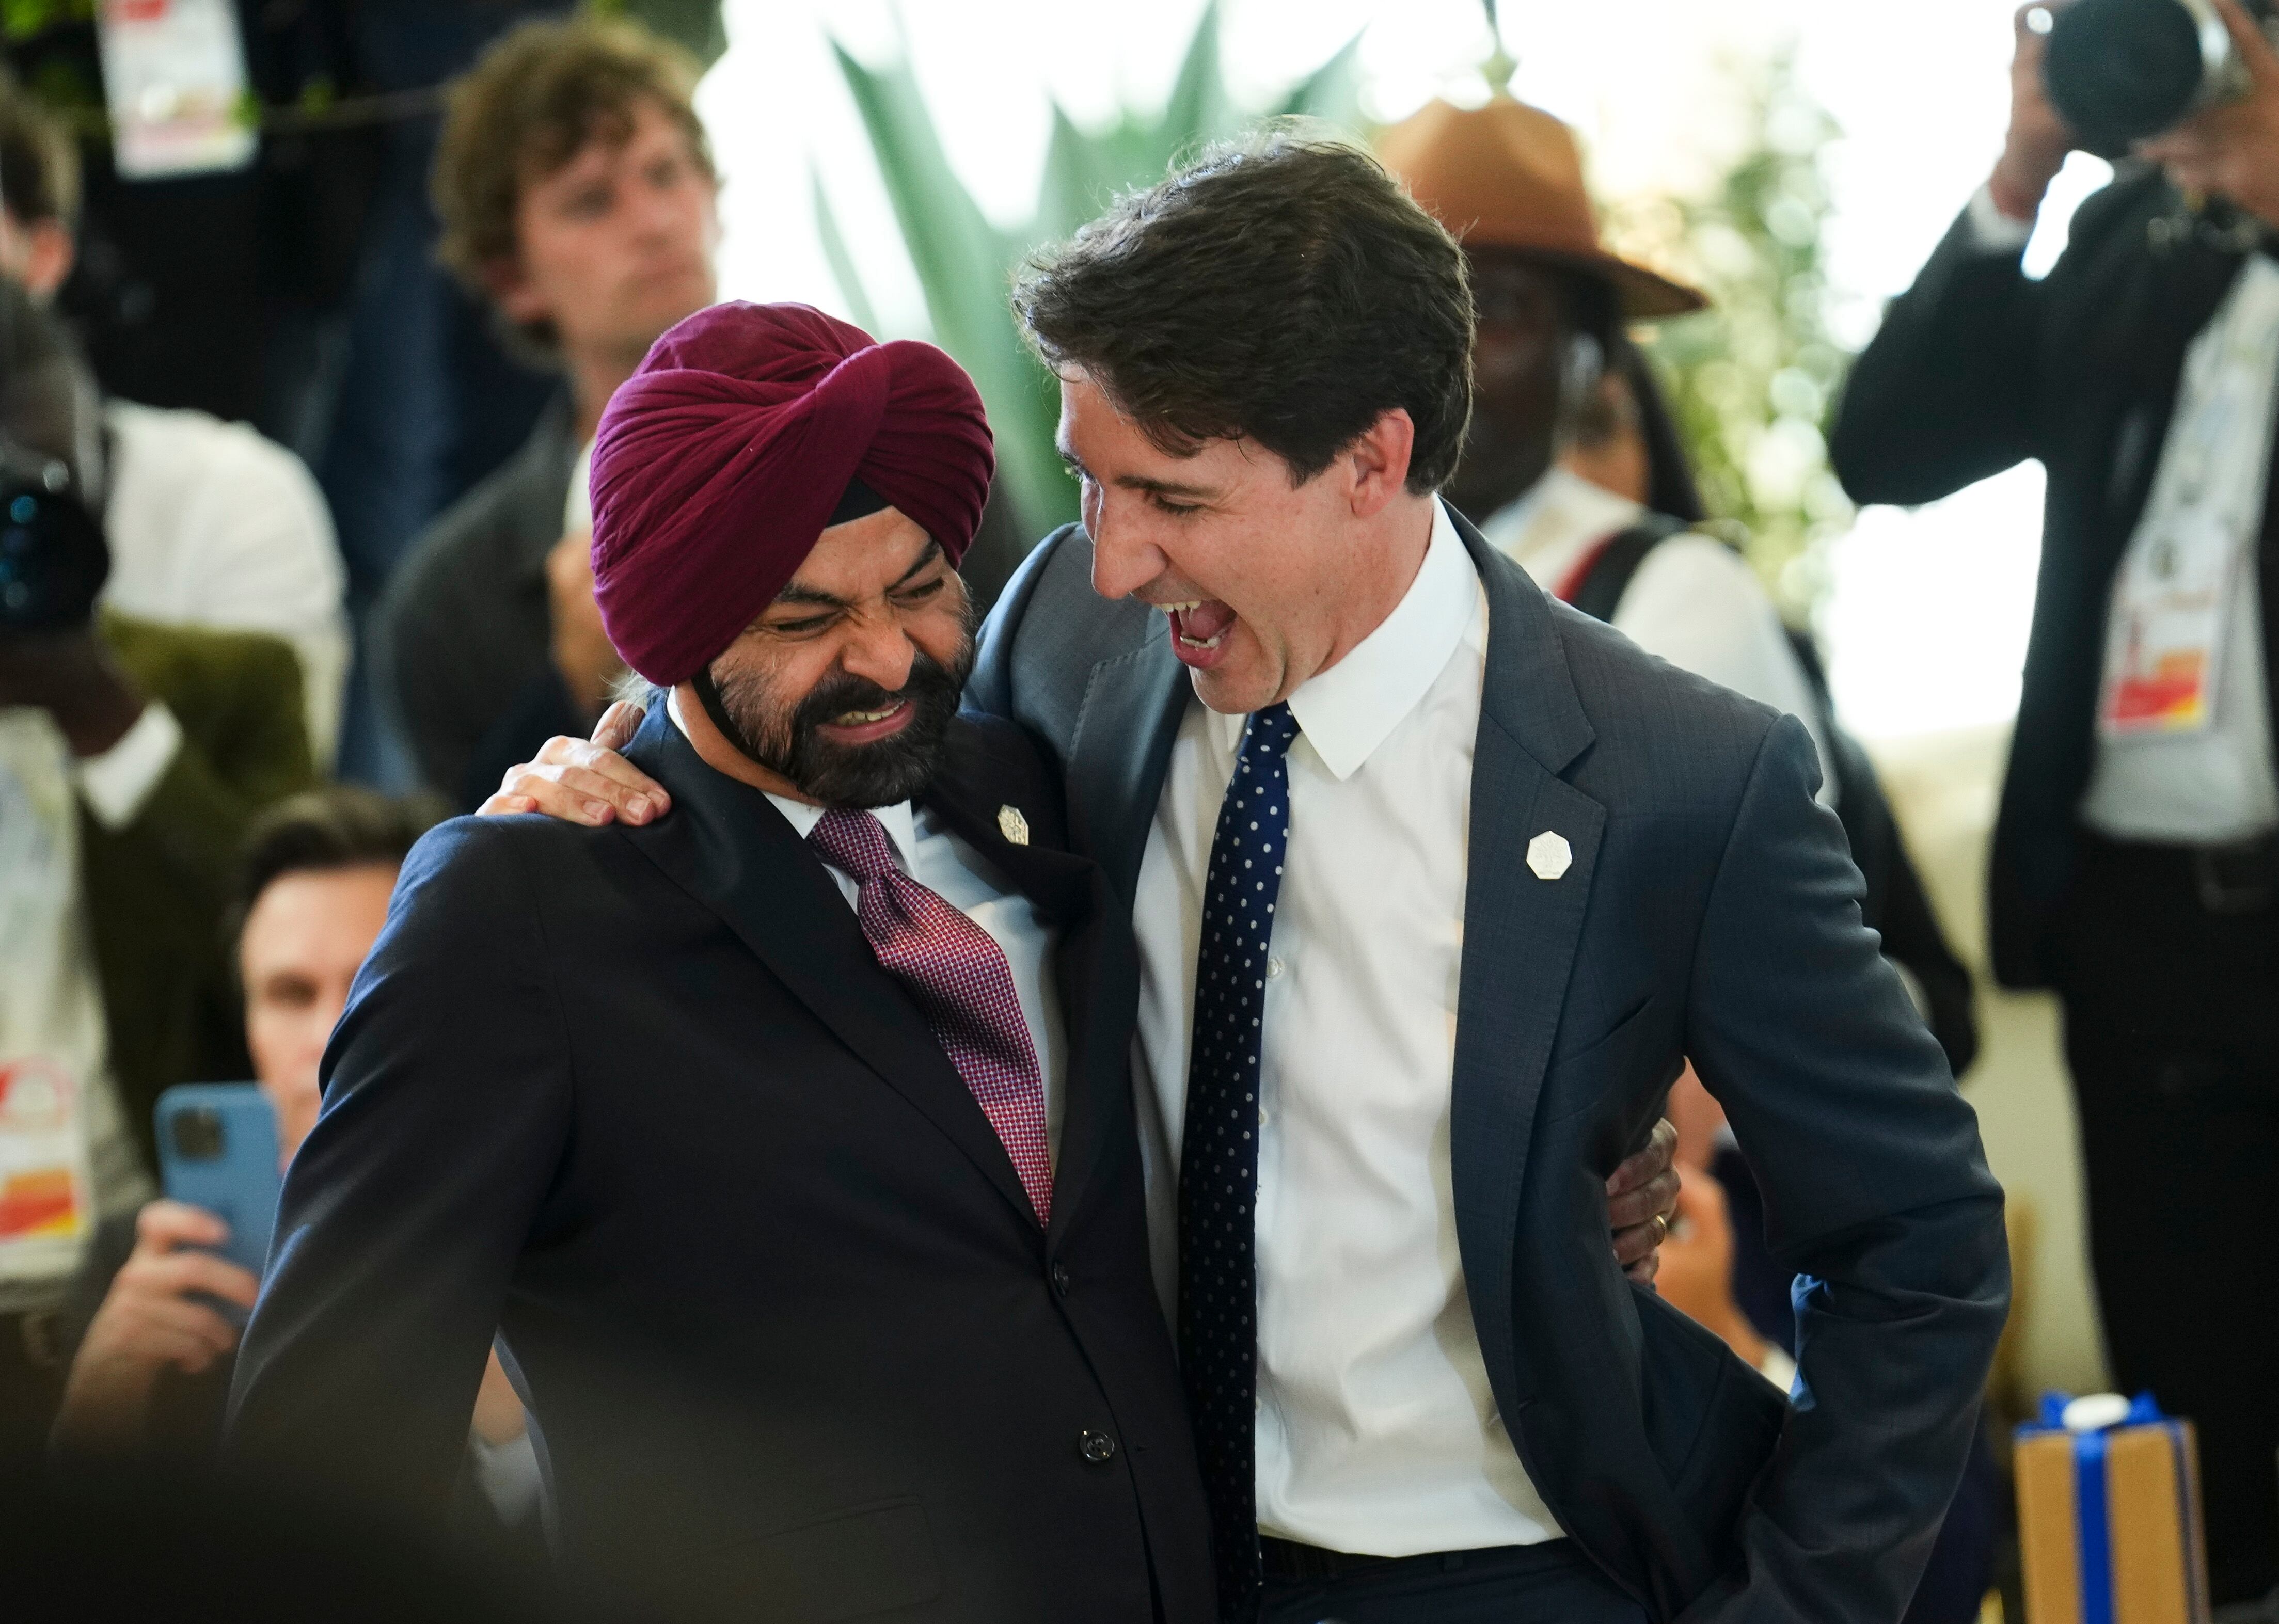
pixel 218 1150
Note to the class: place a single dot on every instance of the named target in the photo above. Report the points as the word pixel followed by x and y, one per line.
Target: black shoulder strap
pixel 1601 589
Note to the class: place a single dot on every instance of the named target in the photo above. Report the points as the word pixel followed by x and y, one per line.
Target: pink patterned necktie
pixel 961 980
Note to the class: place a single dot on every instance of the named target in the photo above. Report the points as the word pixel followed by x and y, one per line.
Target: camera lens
pixel 2121 70
pixel 197 1134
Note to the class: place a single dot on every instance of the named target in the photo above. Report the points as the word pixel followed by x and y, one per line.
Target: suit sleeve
pixel 1944 395
pixel 446 1114
pixel 1877 1191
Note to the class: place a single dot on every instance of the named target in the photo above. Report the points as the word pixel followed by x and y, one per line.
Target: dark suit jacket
pixel 463 642
pixel 155 889
pixel 1711 911
pixel 1978 368
pixel 643 1099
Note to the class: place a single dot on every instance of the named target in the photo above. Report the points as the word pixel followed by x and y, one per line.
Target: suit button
pixel 1096 1447
pixel 1060 1278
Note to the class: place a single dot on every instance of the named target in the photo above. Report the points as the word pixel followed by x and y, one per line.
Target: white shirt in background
pixel 1693 601
pixel 213 526
pixel 1376 1432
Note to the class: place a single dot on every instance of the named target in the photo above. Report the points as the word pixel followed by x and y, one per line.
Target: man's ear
pixel 1379 458
pixel 49 254
pixel 511 291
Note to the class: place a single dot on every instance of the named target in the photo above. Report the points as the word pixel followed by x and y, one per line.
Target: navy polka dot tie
pixel 1218 1155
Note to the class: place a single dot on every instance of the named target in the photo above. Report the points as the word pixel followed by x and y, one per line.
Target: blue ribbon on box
pixel 2093 1520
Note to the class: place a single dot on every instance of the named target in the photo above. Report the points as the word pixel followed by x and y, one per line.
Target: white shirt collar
pixel 899 820
pixel 1348 710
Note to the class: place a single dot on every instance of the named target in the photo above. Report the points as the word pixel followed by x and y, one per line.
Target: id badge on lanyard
pixel 174 78
pixel 44 1198
pixel 2172 598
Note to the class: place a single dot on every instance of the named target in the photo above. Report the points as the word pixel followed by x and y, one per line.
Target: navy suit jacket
pixel 794 1344
pixel 1712 911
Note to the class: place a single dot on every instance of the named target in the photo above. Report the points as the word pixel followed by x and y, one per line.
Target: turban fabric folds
pixel 720 462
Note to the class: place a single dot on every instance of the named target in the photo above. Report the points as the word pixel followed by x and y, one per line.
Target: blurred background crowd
pixel 315 303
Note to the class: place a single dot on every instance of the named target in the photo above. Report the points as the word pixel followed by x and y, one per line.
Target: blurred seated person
pixel 152 1367
pixel 210 524
pixel 132 758
pixel 576 191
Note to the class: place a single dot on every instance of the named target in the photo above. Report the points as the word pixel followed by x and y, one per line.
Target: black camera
pixel 2119 71
pixel 53 558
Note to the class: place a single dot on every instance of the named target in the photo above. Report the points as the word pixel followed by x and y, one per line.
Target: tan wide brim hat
pixel 1510 176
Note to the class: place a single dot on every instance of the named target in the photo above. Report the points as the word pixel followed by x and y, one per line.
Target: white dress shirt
pixel 2217 783
pixel 955 871
pixel 213 526
pixel 1376 1430
pixel 1693 601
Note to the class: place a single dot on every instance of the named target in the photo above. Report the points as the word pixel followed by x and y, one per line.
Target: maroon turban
pixel 719 462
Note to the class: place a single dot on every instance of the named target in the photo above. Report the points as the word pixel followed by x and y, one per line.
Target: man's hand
pixel 584 780
pixel 75 677
pixel 2232 150
pixel 2035 149
pixel 583 653
pixel 149 1321
pixel 1641 1201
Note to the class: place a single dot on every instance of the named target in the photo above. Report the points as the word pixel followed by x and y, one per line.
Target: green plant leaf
pixel 835 254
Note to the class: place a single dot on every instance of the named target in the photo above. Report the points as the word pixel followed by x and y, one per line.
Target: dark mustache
pixel 843 691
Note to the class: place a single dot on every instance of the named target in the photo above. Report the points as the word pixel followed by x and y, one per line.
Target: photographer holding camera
pixel 132 755
pixel 2136 862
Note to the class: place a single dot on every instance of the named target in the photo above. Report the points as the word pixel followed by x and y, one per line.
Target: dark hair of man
pixel 1281 289
pixel 38 162
pixel 534 102
pixel 339 826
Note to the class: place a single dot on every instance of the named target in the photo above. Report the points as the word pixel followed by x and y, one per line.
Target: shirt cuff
pixel 117 783
pixel 1991 231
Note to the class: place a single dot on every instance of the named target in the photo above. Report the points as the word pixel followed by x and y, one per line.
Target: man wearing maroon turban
pixel 786 1143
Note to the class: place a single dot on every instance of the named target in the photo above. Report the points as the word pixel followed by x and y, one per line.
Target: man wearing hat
pixel 1550 305
pixel 785 1143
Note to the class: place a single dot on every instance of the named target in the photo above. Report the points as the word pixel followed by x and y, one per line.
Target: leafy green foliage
pixel 966 264
pixel 1751 380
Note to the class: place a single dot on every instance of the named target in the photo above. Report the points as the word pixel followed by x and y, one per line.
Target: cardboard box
pixel 2109 1515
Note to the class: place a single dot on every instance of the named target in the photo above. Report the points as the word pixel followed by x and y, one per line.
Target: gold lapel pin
pixel 1549 855
pixel 1012 825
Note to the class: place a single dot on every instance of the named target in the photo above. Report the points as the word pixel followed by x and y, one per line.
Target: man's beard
pixel 791 744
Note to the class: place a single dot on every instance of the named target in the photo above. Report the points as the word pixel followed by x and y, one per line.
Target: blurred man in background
pixel 132 756
pixel 577 194
pixel 151 1366
pixel 210 524
pixel 2135 860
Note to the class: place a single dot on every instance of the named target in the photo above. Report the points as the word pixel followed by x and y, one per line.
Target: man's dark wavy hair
pixel 1281 288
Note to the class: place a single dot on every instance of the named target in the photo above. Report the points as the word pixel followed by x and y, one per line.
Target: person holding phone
pixel 152 1364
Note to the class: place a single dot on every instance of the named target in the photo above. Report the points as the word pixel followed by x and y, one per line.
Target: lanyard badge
pixel 2172 598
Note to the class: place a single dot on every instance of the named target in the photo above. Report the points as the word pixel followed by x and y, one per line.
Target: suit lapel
pixel 728 847
pixel 1072 893
pixel 1121 749
pixel 1520 933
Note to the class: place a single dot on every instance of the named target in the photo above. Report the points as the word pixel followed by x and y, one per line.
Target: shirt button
pixel 1273 969
pixel 1060 1278
pixel 1096 1447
